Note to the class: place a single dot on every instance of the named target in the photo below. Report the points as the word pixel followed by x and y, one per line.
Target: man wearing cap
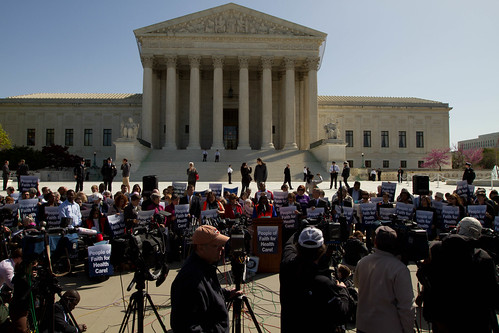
pixel 345 173
pixel 460 289
pixel 385 290
pixel 311 299
pixel 198 300
pixel 469 174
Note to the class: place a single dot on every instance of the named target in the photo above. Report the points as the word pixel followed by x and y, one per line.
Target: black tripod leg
pixel 252 314
pixel 156 312
pixel 129 311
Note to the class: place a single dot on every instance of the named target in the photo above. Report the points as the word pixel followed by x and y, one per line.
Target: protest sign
pixel 116 225
pixel 280 198
pixel 216 188
pixel 145 216
pixel 288 216
pixel 404 211
pixel 478 212
pixel 376 200
pixel 231 190
pixel 10 220
pixel 28 207
pixel 390 188
pixel 347 213
pixel 424 219
pixel 209 214
pixel 385 213
pixel 28 182
pixel 99 260
pixel 52 217
pixel 315 212
pixel 267 239
pixel 464 190
pixel 450 216
pixel 438 209
pixel 368 211
pixel 182 216
pixel 179 188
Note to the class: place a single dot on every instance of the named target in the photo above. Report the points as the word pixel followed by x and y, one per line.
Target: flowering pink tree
pixel 437 158
pixel 473 155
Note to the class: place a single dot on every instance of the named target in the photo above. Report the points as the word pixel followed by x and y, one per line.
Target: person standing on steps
pixel 229 173
pixel 205 155
pixel 334 170
pixel 287 176
pixel 345 173
pixel 260 174
pixel 217 156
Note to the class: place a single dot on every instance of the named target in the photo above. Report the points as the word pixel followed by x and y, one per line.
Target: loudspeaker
pixel 420 185
pixel 149 183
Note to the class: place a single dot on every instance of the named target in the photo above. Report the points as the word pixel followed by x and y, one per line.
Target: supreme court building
pixel 231 78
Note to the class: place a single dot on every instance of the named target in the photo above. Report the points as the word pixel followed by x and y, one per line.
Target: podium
pixel 267 243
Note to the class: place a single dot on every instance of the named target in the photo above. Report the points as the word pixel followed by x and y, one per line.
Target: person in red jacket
pixel 233 209
pixel 264 208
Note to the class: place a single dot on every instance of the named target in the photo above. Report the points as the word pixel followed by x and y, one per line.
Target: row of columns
pixel 194 102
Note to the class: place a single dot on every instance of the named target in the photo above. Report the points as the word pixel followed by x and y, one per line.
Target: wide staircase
pixel 169 165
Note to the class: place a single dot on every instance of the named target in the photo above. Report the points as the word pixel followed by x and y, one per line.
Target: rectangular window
pixel 367 138
pixel 350 163
pixel 368 163
pixel 349 138
pixel 49 137
pixel 420 164
pixel 107 137
pixel 403 164
pixel 68 137
pixel 87 137
pixel 402 139
pixel 419 140
pixel 30 139
pixel 386 164
pixel 88 163
pixel 384 139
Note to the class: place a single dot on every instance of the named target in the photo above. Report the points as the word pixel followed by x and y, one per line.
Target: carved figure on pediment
pixel 231 24
pixel 242 26
pixel 129 130
pixel 209 25
pixel 262 29
pixel 332 130
pixel 220 25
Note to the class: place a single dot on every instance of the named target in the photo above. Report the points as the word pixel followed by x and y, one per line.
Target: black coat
pixel 287 174
pixel 346 172
pixel 195 208
pixel 246 175
pixel 108 172
pixel 79 172
pixel 60 324
pixel 260 173
pixel 469 175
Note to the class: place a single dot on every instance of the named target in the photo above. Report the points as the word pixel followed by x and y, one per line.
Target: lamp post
pixel 95 160
pixel 363 165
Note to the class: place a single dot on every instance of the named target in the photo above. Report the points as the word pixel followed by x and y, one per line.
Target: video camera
pixel 332 231
pixel 412 241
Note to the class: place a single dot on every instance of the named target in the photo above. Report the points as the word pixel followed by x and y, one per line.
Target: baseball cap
pixel 311 238
pixel 207 234
pixel 469 226
pixel 386 239
pixel 468 163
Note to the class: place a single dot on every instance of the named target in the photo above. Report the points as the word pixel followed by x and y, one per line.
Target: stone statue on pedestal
pixel 129 130
pixel 332 130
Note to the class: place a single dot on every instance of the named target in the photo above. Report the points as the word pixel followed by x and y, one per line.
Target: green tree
pixel 5 142
pixel 489 158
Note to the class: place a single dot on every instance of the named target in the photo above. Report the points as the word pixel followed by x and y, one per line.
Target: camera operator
pixel 460 290
pixel 307 288
pixel 66 304
pixel 385 290
pixel 198 300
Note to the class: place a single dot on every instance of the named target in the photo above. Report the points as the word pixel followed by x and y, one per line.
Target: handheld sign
pixel 182 215
pixel 368 211
pixel 347 213
pixel 28 207
pixel 376 200
pixel 404 211
pixel 288 216
pixel 478 212
pixel 52 217
pixel 280 198
pixel 438 208
pixel 385 213
pixel 267 239
pixel 85 213
pixel 231 190
pixel 390 188
pixel 424 219
pixel 179 188
pixel 315 212
pixel 116 225
pixel 99 260
pixel 216 188
pixel 28 182
pixel 209 214
pixel 463 189
pixel 145 216
pixel 9 220
pixel 450 216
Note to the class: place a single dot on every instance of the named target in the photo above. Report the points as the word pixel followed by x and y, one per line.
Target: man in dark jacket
pixel 198 300
pixel 345 173
pixel 68 302
pixel 469 174
pixel 287 176
pixel 22 170
pixel 260 174
pixel 79 174
pixel 193 201
pixel 5 174
pixel 307 288
pixel 108 172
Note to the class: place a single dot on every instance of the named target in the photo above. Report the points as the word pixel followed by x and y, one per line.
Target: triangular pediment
pixel 229 19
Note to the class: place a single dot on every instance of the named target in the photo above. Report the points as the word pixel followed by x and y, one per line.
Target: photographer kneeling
pixel 66 304
pixel 311 299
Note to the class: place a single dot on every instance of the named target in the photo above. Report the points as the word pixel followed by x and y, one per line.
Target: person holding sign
pixel 481 199
pixel 456 201
pixel 427 221
pixel 197 299
pixel 385 203
pixel 131 212
pixel 96 221
pixel 212 203
pixel 264 208
pixel 22 170
pixel 233 209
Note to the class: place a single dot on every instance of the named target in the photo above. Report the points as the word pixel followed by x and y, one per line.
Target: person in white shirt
pixel 7 268
pixel 229 173
pixel 71 209
pixel 334 170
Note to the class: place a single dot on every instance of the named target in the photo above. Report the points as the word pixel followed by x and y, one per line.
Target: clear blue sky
pixel 444 50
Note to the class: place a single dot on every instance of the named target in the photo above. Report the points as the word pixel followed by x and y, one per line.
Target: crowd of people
pixel 307 285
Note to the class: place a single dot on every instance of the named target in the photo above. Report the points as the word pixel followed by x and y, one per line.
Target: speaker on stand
pixel 149 183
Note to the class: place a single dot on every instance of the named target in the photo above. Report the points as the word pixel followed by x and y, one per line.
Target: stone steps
pixel 169 165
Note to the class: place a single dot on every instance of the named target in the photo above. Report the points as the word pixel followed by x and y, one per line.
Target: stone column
pixel 194 103
pixel 313 63
pixel 243 104
pixel 218 102
pixel 267 102
pixel 289 113
pixel 147 102
pixel 171 103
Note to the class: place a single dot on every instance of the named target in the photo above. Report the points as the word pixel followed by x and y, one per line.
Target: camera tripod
pixel 137 305
pixel 237 302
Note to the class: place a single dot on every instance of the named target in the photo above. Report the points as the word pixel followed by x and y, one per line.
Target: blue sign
pixel 99 260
